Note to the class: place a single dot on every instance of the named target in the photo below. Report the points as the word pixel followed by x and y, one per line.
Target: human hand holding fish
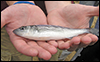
pixel 19 15
pixel 23 15
pixel 51 32
pixel 72 16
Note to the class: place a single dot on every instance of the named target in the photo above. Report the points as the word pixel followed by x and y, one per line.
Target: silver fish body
pixel 48 32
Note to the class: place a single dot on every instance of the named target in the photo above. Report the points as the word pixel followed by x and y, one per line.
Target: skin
pixel 72 16
pixel 25 14
pixel 19 15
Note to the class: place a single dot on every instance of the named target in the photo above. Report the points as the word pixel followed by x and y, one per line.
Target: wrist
pixel 55 5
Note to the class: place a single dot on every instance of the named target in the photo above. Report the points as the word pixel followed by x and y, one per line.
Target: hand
pixel 74 16
pixel 19 15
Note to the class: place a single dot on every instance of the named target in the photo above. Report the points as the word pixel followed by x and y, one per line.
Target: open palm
pixel 18 15
pixel 74 16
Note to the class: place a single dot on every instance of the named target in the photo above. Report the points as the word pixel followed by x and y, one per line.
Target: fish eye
pixel 22 28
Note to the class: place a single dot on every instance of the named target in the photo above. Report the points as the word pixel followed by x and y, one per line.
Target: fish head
pixel 24 31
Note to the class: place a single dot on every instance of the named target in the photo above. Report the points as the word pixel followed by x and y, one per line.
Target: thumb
pixel 93 11
pixel 2 20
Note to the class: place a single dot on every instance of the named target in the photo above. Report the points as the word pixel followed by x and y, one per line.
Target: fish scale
pixel 48 32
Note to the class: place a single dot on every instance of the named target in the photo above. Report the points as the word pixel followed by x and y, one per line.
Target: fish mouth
pixel 16 31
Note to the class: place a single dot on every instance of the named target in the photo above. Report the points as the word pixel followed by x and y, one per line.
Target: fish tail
pixel 94 31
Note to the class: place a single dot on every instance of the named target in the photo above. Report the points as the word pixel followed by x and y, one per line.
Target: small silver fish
pixel 48 32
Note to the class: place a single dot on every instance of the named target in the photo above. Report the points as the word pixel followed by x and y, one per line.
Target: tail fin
pixel 94 31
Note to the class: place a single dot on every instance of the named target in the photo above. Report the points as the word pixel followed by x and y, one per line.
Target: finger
pixel 85 41
pixel 93 11
pixel 74 42
pixel 2 19
pixel 5 17
pixel 47 47
pixel 60 44
pixel 66 45
pixel 22 46
pixel 94 39
pixel 54 43
pixel 42 53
